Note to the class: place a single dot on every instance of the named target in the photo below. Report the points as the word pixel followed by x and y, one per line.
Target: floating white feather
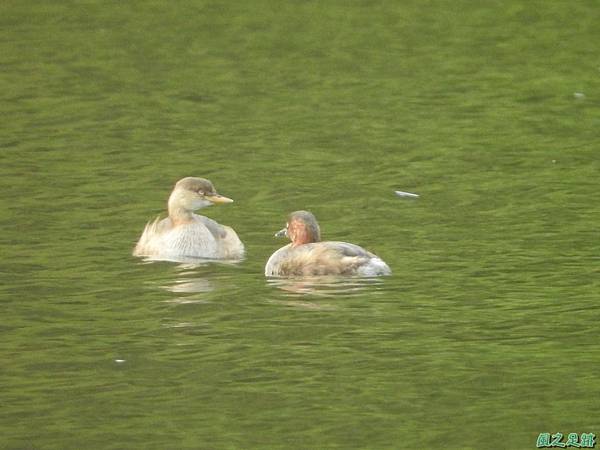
pixel 406 194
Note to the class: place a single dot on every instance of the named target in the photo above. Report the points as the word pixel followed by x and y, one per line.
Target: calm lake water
pixel 486 334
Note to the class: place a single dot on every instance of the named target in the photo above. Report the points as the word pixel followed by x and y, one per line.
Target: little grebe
pixel 185 234
pixel 306 255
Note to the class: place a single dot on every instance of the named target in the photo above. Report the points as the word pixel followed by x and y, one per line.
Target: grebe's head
pixel 301 228
pixel 193 193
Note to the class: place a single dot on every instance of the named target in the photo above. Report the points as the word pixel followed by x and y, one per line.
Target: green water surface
pixel 485 335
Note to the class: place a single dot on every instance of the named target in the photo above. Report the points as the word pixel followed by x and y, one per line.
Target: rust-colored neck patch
pixel 300 234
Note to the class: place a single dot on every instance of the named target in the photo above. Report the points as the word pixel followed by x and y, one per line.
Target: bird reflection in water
pixel 324 286
pixel 299 291
pixel 190 280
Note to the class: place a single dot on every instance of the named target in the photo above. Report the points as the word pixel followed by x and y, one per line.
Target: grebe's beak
pixel 281 233
pixel 216 198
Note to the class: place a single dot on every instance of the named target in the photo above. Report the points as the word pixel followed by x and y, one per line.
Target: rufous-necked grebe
pixel 184 234
pixel 306 255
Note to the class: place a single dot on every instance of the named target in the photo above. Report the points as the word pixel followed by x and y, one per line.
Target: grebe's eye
pixel 200 192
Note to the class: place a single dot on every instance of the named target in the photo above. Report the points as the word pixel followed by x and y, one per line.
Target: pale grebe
pixel 306 255
pixel 185 234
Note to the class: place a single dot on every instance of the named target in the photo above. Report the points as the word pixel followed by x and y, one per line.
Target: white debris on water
pixel 406 194
pixel 119 361
pixel 579 95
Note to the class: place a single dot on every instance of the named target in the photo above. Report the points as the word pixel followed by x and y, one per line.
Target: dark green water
pixel 485 335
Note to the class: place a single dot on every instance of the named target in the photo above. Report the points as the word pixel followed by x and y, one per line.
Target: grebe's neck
pixel 178 212
pixel 301 234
